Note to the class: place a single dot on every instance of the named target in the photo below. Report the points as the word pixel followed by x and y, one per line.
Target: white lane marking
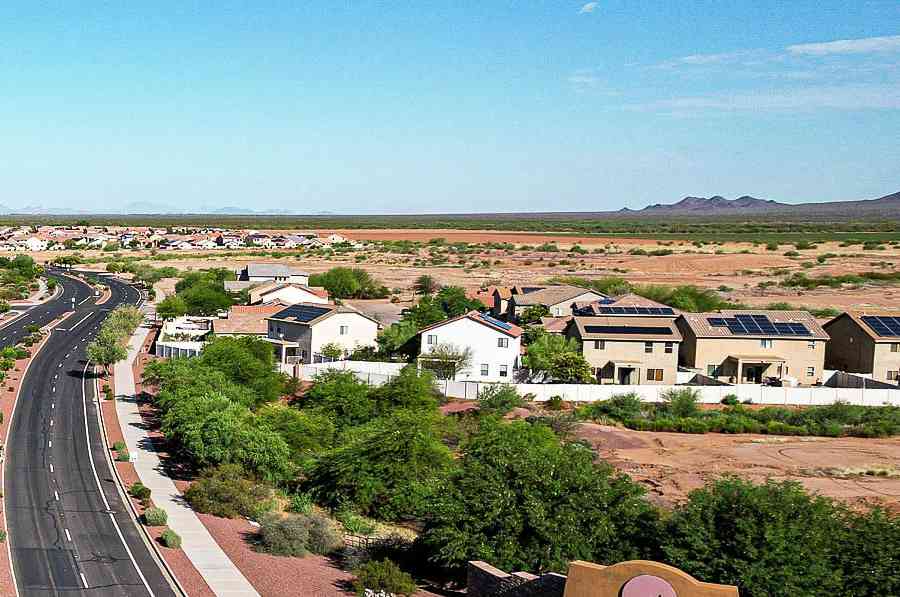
pixel 52 405
pixel 51 422
pixel 83 580
pixel 50 444
pixel 60 365
pixel 55 376
pixel 56 495
pixel 83 300
pixel 68 536
pixel 82 320
pixel 112 517
pixel 67 355
pixel 51 467
pixel 53 389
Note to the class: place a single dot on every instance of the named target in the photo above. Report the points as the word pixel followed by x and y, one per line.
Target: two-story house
pixel 299 331
pixel 865 342
pixel 628 350
pixel 557 299
pixel 494 346
pixel 752 346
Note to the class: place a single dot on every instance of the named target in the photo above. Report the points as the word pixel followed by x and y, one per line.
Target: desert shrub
pixel 139 491
pixel 155 517
pixel 300 503
pixel 499 399
pixel 770 539
pixel 227 491
pixel 123 456
pixel 554 403
pixel 297 535
pixel 730 400
pixel 119 446
pixel 868 554
pixel 171 539
pixel 383 576
pixel 682 403
pixel 619 407
pixel 354 523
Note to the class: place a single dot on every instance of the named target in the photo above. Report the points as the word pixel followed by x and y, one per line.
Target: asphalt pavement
pixel 69 531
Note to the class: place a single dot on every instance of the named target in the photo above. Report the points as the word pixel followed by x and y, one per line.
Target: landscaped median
pixel 14 364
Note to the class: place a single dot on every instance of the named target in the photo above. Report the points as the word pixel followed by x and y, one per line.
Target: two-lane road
pixel 69 531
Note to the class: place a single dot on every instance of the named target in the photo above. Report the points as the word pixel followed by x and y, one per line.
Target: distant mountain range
pixel 718 205
pixel 689 207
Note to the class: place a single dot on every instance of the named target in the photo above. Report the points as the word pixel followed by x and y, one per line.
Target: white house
pixel 287 293
pixel 494 345
pixel 300 331
pixel 272 272
pixel 36 244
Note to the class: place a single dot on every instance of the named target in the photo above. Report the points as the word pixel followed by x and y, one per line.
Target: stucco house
pixel 288 293
pixel 865 342
pixel 494 345
pixel 738 346
pixel 272 272
pixel 299 331
pixel 628 350
pixel 558 299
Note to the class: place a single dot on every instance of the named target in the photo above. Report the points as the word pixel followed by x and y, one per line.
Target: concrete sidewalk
pixel 217 569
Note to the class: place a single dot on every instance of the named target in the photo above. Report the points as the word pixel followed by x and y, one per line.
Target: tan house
pixel 558 299
pixel 629 350
pixel 865 342
pixel 753 346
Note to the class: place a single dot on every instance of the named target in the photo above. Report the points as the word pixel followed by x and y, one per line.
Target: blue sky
pixel 464 106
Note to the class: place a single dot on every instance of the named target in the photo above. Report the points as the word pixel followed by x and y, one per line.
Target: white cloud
pixel 866 45
pixel 588 8
pixel 848 97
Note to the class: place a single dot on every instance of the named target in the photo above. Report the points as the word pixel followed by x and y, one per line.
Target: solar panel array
pixel 752 325
pixel 883 325
pixel 636 310
pixel 496 322
pixel 302 313
pixel 627 329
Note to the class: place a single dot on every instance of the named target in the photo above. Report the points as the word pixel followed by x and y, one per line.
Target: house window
pixel 895 347
pixel 504 369
pixel 344 330
pixel 712 371
pixel 766 343
pixel 654 374
pixel 599 344
pixel 893 375
pixel 484 369
pixel 811 344
pixel 648 347
pixel 810 371
pixel 502 342
pixel 432 339
pixel 669 347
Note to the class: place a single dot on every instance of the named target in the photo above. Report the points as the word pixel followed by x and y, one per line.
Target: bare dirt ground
pixel 743 272
pixel 672 464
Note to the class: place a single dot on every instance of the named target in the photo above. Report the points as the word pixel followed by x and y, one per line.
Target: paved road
pixel 69 532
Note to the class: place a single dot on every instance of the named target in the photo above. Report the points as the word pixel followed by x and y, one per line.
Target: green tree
pixel 523 501
pixel 385 468
pixel 247 361
pixel 171 307
pixel 445 361
pixel 106 350
pixel 770 539
pixel 341 397
pixel 557 358
pixel 425 284
pixel 534 313
pixel 332 350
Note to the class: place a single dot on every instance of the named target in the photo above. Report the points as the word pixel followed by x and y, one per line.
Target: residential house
pixel 628 350
pixel 558 299
pixel 740 346
pixel 629 305
pixel 35 244
pixel 299 332
pixel 865 342
pixel 247 320
pixel 272 272
pixel 287 293
pixel 494 345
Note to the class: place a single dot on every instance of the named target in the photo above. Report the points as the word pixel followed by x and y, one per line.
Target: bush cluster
pixel 298 534
pixel 384 576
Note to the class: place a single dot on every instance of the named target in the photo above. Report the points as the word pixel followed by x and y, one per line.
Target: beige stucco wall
pixel 885 361
pixel 797 354
pixel 633 350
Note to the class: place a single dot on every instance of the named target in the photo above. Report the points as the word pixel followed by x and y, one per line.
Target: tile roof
pixel 699 324
pixel 857 316
pixel 626 328
pixel 495 324
pixel 555 325
pixel 247 319
pixel 552 295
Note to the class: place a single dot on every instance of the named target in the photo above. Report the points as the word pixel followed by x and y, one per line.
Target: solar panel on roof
pixel 747 325
pixel 500 324
pixel 883 325
pixel 636 310
pixel 301 313
pixel 624 329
